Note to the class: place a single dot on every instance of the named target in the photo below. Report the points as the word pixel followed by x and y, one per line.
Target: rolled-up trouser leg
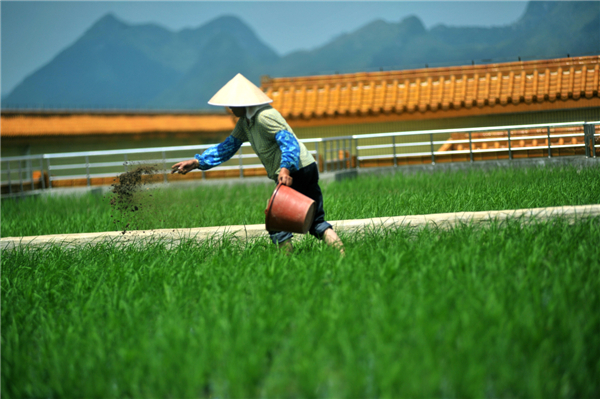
pixel 280 236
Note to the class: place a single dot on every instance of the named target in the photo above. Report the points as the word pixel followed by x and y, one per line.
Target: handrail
pixel 469 129
pixel 331 153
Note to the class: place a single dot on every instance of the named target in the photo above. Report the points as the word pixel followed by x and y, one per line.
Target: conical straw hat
pixel 239 92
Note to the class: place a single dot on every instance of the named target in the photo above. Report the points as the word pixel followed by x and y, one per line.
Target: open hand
pixel 285 178
pixel 185 166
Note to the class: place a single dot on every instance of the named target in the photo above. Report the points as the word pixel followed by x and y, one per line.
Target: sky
pixel 34 32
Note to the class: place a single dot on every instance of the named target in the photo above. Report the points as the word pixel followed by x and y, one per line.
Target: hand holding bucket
pixel 289 210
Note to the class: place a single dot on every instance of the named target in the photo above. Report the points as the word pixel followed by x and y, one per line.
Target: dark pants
pixel 306 181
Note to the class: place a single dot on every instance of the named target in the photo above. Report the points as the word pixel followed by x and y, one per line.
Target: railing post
pixel 317 155
pixel 337 150
pixel 549 149
pixel 20 177
pixel 509 147
pixel 593 139
pixel 49 175
pixel 325 156
pixel 42 172
pixel 30 173
pixel 589 131
pixel 586 140
pixel 470 147
pixel 164 159
pixel 356 150
pixel 345 152
pixel 394 150
pixel 241 164
pixel 9 182
pixel 125 162
pixel 432 154
pixel 331 155
pixel 87 169
pixel 330 165
pixel 350 152
pixel 340 148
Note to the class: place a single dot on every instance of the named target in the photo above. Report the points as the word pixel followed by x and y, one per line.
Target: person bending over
pixel 285 158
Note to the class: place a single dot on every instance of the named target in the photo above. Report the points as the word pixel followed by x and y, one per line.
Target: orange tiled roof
pixel 54 125
pixel 366 97
pixel 466 90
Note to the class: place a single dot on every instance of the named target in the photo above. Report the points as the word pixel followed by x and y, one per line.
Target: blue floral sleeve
pixel 290 150
pixel 219 153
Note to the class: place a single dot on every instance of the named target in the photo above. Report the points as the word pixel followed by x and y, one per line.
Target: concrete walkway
pixel 247 232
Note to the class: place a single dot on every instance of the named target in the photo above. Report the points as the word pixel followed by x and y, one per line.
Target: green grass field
pixel 503 311
pixel 506 310
pixel 365 197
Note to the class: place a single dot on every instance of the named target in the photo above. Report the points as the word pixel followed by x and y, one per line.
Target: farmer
pixel 286 159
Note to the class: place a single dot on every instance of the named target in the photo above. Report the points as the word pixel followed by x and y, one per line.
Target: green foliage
pixel 509 310
pixel 364 197
pixel 469 191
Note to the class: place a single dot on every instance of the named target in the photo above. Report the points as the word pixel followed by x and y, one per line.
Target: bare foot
pixel 332 239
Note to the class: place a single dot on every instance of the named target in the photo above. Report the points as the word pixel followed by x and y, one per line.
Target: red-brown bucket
pixel 288 210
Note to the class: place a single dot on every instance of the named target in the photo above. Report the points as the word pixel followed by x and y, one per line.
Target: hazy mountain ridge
pixel 115 64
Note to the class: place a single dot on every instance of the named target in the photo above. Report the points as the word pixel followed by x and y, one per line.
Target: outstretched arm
pixel 210 158
pixel 218 154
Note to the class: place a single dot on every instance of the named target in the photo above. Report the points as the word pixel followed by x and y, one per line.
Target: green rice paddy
pixel 507 310
pixel 503 311
pixel 364 197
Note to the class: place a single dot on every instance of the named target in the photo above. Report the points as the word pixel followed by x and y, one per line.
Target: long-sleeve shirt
pixel 271 138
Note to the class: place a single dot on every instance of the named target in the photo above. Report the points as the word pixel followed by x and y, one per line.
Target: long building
pixel 438 93
pixel 514 93
pixel 556 90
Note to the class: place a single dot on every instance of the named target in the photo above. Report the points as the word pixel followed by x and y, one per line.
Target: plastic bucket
pixel 288 210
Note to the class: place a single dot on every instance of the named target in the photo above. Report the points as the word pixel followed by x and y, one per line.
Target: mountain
pixel 226 48
pixel 546 30
pixel 118 65
pixel 557 27
pixel 355 51
pixel 102 69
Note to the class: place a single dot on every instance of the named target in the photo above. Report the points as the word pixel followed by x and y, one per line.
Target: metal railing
pixel 516 133
pixel 45 171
